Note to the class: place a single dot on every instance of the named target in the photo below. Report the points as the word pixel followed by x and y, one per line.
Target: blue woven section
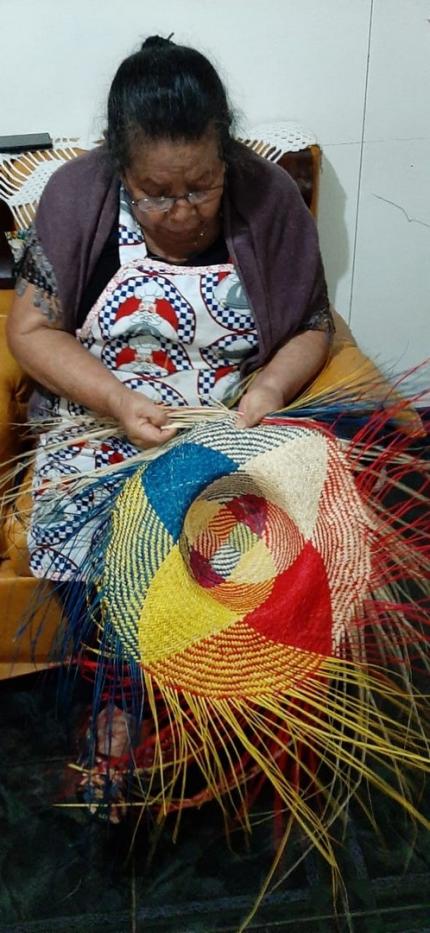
pixel 173 481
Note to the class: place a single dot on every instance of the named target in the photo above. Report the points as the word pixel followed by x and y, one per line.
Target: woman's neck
pixel 179 249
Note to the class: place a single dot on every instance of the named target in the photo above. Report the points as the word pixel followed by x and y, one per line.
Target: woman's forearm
pixel 295 364
pixel 291 368
pixel 57 361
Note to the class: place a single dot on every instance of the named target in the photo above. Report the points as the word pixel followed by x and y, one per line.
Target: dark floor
pixel 62 872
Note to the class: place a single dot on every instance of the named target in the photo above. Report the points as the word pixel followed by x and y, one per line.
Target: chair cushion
pixel 17 596
pixel 15 390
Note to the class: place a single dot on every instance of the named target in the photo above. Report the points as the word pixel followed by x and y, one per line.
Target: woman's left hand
pixel 257 402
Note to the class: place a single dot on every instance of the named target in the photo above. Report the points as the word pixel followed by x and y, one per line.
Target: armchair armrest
pixel 15 390
pixel 6 260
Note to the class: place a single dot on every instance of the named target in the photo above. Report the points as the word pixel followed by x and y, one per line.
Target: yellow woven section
pixel 135 566
pixel 237 662
pixel 171 619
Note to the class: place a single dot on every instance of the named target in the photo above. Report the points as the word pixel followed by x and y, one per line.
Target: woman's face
pixel 172 169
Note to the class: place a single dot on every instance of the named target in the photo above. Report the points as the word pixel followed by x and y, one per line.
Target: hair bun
pixel 153 42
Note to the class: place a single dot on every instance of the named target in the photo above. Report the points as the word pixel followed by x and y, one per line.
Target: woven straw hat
pixel 231 559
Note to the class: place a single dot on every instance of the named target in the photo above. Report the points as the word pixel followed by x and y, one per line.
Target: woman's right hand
pixel 58 361
pixel 143 422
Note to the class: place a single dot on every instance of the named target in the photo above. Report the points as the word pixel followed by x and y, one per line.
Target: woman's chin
pixel 185 231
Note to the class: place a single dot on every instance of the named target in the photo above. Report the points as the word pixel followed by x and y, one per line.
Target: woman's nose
pixel 182 209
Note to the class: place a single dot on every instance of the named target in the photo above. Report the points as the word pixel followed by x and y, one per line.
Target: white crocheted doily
pixel 273 140
pixel 24 175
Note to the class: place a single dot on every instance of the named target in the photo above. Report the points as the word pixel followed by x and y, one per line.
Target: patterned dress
pixel 176 333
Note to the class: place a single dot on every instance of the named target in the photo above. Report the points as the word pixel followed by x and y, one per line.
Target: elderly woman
pixel 209 251
pixel 163 267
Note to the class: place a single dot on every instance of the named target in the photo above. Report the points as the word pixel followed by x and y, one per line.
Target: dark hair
pixel 166 91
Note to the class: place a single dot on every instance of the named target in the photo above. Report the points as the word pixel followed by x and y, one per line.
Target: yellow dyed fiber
pixel 172 585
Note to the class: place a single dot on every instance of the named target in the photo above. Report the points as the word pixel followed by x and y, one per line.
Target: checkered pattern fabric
pixel 232 318
pixel 228 350
pixel 110 306
pixel 48 562
pixel 128 237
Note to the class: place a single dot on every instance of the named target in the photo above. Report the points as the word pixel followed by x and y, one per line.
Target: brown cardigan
pixel 270 234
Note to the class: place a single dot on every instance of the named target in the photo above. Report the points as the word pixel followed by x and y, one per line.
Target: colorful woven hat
pixel 230 559
pixel 253 576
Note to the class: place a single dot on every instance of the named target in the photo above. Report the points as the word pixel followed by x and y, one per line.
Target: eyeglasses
pixel 164 204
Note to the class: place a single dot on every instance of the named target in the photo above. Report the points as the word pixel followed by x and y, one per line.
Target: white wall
pixel 357 72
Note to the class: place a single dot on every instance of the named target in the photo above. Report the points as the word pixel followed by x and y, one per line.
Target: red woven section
pixel 298 611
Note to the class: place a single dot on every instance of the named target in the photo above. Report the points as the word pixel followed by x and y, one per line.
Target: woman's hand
pixel 144 423
pixel 257 402
pixel 295 365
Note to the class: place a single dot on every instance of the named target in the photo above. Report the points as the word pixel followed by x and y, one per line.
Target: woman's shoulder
pixel 90 171
pixel 76 196
pixel 259 191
